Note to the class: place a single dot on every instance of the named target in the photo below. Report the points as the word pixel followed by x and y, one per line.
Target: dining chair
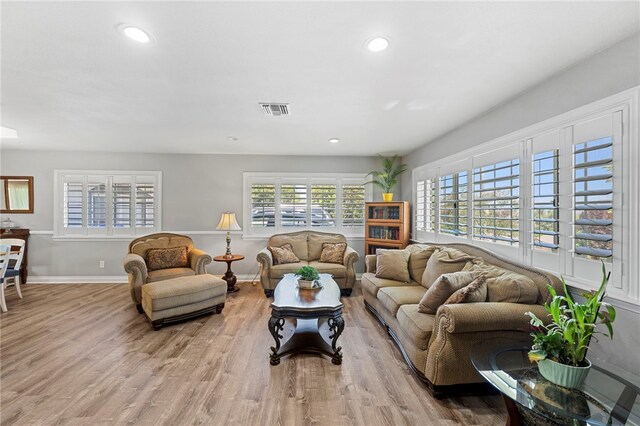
pixel 5 253
pixel 12 272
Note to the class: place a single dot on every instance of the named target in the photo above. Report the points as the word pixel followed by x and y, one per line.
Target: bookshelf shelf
pixel 387 226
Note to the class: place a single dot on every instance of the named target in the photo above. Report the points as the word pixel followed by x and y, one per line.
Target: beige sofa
pixel 437 347
pixel 135 263
pixel 307 246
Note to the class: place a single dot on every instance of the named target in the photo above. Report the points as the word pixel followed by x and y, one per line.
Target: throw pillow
pixel 393 264
pixel 442 288
pixel 504 285
pixel 420 254
pixel 283 254
pixel 445 260
pixel 333 252
pixel 474 292
pixel 165 258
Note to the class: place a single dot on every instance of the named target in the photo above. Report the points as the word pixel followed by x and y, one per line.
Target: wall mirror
pixel 17 194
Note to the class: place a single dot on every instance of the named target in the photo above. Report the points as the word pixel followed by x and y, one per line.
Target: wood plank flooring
pixel 80 354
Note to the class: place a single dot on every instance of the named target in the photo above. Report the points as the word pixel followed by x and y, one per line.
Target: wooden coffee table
pixel 312 319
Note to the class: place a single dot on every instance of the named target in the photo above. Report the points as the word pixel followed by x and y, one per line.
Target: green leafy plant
pixel 308 273
pixel 387 178
pixel 566 339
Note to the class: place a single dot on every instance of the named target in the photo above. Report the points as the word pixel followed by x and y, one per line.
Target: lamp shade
pixel 228 222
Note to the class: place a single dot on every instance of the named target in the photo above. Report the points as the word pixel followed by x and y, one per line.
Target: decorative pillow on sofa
pixel 283 254
pixel 474 292
pixel 333 252
pixel 420 254
pixel 393 264
pixel 165 258
pixel 444 260
pixel 439 291
pixel 506 286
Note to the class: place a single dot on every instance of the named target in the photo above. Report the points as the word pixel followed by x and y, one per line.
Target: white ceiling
pixel 70 81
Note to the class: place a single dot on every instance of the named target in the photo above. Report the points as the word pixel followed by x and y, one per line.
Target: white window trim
pixel 249 233
pixel 627 215
pixel 58 200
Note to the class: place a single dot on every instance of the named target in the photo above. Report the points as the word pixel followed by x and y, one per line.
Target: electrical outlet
pixel 102 264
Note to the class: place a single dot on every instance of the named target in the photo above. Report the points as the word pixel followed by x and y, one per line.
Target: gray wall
pixel 196 189
pixel 606 73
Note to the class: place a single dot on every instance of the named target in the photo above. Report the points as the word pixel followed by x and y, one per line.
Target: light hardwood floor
pixel 82 355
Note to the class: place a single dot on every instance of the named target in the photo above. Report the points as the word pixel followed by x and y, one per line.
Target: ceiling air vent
pixel 275 109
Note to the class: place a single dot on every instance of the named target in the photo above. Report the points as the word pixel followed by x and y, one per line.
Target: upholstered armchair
pixel 136 262
pixel 307 246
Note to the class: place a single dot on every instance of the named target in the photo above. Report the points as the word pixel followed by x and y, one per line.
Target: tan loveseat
pixel 437 347
pixel 307 246
pixel 135 263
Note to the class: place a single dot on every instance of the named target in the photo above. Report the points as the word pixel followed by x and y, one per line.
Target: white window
pixel 496 209
pixel 453 204
pixel 556 196
pixel 292 201
pixel 106 203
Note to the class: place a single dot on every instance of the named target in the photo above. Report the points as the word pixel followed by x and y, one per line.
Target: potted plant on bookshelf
pixel 388 177
pixel 560 348
pixel 307 277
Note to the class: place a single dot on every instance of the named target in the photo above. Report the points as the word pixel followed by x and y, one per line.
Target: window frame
pixel 308 179
pixel 109 177
pixel 625 283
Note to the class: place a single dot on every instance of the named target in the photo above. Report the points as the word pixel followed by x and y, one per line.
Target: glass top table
pixel 603 399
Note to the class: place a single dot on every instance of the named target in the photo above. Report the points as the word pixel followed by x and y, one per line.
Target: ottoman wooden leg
pixel 219 308
pixel 157 325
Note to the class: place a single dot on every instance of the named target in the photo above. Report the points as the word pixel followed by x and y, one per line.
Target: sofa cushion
pixel 166 258
pixel 338 271
pixel 277 271
pixel 474 292
pixel 298 243
pixel 372 284
pixel 439 291
pixel 165 274
pixel 333 252
pixel 391 298
pixel 393 264
pixel 283 254
pixel 444 261
pixel 506 286
pixel 415 325
pixel 315 241
pixel 419 255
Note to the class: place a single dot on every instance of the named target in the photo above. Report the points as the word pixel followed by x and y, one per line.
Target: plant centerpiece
pixel 560 347
pixel 307 277
pixel 388 177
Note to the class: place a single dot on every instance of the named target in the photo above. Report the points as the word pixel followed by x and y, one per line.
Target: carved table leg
pixel 231 279
pixel 336 325
pixel 275 326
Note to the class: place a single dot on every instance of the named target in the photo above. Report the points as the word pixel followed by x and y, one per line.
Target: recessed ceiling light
pixel 7 133
pixel 334 140
pixel 378 44
pixel 136 34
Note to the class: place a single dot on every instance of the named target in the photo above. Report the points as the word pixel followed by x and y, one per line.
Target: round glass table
pixel 530 399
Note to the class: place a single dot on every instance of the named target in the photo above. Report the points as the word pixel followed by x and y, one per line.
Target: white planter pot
pixel 563 375
pixel 306 284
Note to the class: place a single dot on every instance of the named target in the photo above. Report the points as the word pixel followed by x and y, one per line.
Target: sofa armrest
pixel 370 263
pixel 136 268
pixel 198 260
pixel 350 257
pixel 265 258
pixel 487 316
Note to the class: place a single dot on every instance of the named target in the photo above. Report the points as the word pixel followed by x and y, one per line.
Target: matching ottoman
pixel 180 298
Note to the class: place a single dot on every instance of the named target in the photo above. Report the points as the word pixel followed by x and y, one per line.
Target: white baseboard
pixel 80 279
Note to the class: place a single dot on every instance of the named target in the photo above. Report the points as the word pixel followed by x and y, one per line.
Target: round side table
pixel 229 276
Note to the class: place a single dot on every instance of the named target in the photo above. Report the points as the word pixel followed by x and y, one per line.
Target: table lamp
pixel 228 223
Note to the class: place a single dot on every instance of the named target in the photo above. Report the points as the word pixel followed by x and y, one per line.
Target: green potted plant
pixel 388 177
pixel 560 347
pixel 308 277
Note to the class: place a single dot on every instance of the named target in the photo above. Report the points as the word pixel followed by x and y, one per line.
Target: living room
pixel 455 87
